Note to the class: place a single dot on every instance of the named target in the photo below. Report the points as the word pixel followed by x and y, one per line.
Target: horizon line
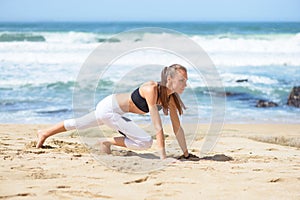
pixel 148 21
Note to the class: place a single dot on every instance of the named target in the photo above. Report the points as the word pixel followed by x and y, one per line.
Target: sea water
pixel 40 62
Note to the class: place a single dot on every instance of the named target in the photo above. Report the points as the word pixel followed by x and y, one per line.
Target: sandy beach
pixel 262 161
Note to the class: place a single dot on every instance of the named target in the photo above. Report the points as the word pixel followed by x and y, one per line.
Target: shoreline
pixel 67 170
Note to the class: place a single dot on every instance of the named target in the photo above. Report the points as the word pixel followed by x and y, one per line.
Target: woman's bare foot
pixel 105 146
pixel 41 139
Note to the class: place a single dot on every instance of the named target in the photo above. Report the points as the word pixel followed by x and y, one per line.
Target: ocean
pixel 40 62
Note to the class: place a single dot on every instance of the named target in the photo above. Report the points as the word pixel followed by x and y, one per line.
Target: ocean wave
pixel 112 40
pixel 246 95
pixel 18 104
pixel 21 37
pixel 252 44
pixel 8 86
pixel 64 37
pixel 53 111
pixel 212 43
pixel 79 38
pixel 234 79
pixel 225 50
pixel 58 86
pixel 89 37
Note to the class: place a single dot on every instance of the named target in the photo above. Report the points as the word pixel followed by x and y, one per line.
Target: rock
pixel 264 104
pixel 294 97
pixel 241 80
pixel 227 94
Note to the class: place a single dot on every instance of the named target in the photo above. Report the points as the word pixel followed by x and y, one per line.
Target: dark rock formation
pixel 264 104
pixel 294 97
pixel 241 80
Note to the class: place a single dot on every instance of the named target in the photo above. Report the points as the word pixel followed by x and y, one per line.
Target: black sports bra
pixel 141 102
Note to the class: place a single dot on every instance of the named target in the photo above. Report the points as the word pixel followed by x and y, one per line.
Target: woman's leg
pixel 135 138
pixel 43 135
pixel 86 121
pixel 106 143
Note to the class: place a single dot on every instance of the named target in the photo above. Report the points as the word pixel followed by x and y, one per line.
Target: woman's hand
pixel 186 153
pixel 190 157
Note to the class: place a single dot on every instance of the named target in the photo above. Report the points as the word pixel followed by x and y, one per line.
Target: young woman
pixel 149 97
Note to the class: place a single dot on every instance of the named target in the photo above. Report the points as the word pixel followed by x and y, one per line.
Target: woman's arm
pixel 160 138
pixel 149 92
pixel 178 131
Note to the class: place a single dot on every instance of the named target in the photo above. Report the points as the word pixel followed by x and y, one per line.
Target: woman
pixel 147 98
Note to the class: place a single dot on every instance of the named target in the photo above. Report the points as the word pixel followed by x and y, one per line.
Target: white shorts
pixel 109 113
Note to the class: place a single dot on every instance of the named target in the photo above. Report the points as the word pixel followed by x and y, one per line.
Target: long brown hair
pixel 164 98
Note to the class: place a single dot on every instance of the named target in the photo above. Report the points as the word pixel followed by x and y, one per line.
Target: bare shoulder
pixel 148 88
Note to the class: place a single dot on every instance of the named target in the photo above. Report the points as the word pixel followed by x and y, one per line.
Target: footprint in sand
pixel 17 195
pixel 275 180
pixel 75 193
pixel 140 180
pixel 63 186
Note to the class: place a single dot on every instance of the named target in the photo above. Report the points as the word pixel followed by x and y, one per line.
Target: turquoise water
pixel 39 63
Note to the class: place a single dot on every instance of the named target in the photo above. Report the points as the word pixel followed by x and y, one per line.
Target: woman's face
pixel 178 82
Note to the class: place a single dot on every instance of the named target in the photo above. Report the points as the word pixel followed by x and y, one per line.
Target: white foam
pixel 243 51
pixel 230 79
pixel 74 47
pixel 72 37
pixel 62 55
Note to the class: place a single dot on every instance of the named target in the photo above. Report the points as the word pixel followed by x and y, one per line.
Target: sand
pixel 249 161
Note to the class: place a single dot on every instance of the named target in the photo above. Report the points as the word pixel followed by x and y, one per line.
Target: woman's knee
pixel 147 144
